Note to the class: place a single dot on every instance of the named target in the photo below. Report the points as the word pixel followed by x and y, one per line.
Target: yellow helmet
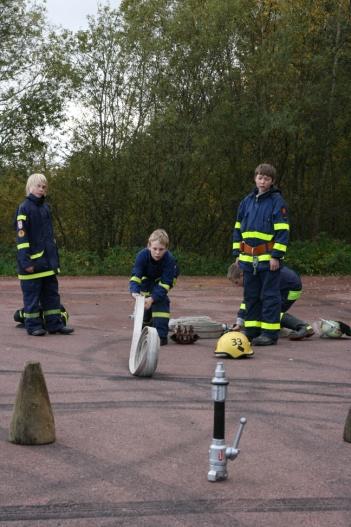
pixel 233 344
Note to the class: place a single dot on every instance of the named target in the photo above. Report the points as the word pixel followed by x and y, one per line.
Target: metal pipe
pixel 219 453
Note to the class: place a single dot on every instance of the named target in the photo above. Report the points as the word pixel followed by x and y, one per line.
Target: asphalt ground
pixel 133 451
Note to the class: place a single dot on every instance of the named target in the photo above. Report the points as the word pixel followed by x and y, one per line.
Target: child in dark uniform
pixel 38 262
pixel 153 274
pixel 260 239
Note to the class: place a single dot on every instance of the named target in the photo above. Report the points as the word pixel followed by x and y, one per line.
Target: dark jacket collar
pixel 272 190
pixel 35 199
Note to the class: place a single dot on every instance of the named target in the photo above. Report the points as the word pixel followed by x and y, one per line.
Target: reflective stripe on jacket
pixel 153 277
pixel 36 246
pixel 261 218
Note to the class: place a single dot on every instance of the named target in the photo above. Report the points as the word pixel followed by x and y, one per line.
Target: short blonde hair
pixel 159 235
pixel 33 180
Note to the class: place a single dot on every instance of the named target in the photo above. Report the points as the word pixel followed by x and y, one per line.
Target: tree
pixel 181 100
pixel 30 94
pixel 113 109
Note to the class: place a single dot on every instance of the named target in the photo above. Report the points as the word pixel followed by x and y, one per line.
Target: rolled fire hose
pixel 145 345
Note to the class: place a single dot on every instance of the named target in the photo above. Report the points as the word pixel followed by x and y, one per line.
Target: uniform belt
pixel 256 251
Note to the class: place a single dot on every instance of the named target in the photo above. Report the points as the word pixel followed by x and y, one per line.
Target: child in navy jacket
pixel 260 240
pixel 38 262
pixel 153 274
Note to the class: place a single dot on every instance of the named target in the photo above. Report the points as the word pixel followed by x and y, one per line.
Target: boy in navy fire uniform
pixel 153 274
pixel 260 239
pixel 38 262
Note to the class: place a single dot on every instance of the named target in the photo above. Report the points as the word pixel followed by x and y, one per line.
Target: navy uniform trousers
pixel 263 303
pixel 41 293
pixel 159 313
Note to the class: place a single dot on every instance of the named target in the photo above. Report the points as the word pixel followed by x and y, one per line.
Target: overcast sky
pixel 71 14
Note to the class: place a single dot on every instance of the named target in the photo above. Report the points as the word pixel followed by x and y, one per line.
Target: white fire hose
pixel 145 345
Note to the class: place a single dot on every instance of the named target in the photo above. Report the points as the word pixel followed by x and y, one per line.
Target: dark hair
pixel 266 170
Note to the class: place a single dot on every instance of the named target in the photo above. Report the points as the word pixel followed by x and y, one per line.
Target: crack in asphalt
pixel 130 509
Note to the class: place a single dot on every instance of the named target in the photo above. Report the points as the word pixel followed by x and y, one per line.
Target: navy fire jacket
pixel 154 277
pixel 261 219
pixel 36 246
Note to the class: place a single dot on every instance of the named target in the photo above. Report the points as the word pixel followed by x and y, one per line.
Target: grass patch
pixel 322 256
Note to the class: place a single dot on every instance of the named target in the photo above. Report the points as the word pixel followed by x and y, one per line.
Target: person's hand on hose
pixel 148 302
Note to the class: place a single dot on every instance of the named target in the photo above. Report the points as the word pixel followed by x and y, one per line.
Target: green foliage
pixel 178 102
pixel 193 264
pixel 323 256
pixel 7 260
pixel 32 83
pixel 118 261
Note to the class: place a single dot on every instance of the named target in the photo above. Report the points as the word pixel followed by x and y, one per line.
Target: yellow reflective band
pixel 165 286
pixel 243 306
pixel 237 225
pixel 252 324
pixel 236 245
pixel 31 315
pixel 248 258
pixel 279 247
pixel 257 234
pixel 52 312
pixel 273 327
pixel 35 275
pixel 21 217
pixel 135 279
pixel 160 314
pixel 281 226
pixel 36 255
pixel 294 295
pixel 22 246
pixel 145 293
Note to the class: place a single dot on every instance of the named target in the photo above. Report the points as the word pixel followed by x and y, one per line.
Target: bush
pixel 7 261
pixel 322 256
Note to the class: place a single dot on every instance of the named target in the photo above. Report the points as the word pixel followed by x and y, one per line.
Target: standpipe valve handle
pixel 219 453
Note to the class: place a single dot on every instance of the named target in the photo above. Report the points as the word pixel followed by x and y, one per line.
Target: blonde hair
pixel 33 180
pixel 159 235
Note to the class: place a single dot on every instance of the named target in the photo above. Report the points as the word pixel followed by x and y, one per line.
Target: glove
pixel 184 335
pixel 234 272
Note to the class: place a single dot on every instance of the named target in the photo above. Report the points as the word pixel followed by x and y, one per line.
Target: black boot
pixel 300 329
pixel 290 322
pixel 38 332
pixel 301 333
pixel 65 330
pixel 263 340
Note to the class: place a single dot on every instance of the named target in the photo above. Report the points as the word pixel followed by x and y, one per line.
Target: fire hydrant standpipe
pixel 219 453
pixel 219 420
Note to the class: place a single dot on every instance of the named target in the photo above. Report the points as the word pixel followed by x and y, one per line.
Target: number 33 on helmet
pixel 233 344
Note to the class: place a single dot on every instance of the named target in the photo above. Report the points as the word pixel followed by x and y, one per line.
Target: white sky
pixel 71 14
